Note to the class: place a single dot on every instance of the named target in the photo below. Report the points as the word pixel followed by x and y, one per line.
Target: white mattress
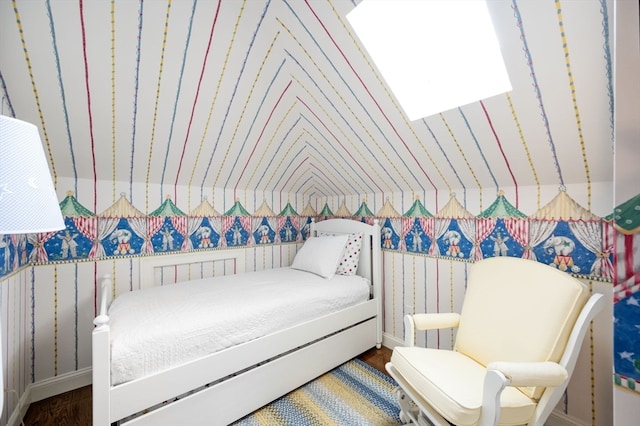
pixel 156 328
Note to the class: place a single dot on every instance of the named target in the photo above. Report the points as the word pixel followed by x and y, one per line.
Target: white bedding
pixel 156 328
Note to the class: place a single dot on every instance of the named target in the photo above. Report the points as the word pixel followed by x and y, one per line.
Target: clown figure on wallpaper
pixel 499 247
pixel 68 245
pixel 237 236
pixel 288 232
pixel 167 239
pixel 417 241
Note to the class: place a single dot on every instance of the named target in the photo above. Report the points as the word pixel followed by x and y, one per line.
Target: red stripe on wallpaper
pixel 504 156
pixel 364 170
pixel 195 102
pixel 89 112
pixel 273 110
pixel 375 101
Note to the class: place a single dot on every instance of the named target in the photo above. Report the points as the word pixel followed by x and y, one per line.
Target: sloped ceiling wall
pixel 279 95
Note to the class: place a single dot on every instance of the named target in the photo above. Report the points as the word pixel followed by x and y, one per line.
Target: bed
pixel 273 349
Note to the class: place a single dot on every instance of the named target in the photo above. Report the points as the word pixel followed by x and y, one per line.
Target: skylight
pixel 435 55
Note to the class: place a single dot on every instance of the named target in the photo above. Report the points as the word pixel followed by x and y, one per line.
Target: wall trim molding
pixel 21 408
pixel 47 388
pixel 558 418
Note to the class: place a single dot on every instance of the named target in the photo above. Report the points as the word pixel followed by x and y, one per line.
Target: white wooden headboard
pixel 150 265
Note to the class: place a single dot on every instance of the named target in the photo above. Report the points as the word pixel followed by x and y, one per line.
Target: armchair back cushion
pixel 547 303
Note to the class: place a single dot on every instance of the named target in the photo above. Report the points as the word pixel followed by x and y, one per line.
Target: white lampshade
pixel 28 201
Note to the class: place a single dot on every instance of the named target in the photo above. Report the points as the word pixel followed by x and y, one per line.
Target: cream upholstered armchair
pixel 518 337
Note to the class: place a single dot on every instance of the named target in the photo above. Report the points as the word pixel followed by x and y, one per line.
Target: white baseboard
pixel 21 409
pixel 558 418
pixel 48 388
pixel 60 384
pixel 391 341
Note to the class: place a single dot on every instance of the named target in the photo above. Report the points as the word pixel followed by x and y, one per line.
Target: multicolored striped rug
pixel 351 394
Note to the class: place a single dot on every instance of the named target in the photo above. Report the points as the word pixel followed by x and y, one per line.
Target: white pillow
pixel 348 264
pixel 320 255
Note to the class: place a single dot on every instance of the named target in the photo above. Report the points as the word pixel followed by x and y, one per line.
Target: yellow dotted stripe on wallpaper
pixel 157 102
pixel 390 98
pixel 294 184
pixel 244 109
pixel 353 114
pixel 413 285
pixel 451 296
pixel 583 148
pixel 112 13
pixel 222 73
pixel 525 147
pixel 335 126
pixel 214 101
pixel 464 157
pixel 363 158
pixel 274 134
pixel 55 320
pixel 328 171
pixel 34 88
pixel 591 367
pixel 113 279
pixel 393 292
pixel 283 158
pixel 335 161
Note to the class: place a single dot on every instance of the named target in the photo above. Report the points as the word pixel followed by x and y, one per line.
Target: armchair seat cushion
pixel 437 376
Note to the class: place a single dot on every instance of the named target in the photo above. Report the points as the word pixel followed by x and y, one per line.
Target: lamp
pixel 28 202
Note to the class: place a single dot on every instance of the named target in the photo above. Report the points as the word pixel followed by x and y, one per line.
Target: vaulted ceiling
pixel 279 95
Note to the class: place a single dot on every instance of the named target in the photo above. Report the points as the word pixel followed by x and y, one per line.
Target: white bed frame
pixel 227 385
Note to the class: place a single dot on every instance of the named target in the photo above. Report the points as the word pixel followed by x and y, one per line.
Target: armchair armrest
pixel 545 374
pixel 501 374
pixel 427 322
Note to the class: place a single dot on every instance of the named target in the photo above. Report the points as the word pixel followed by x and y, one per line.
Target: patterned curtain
pixel 227 223
pixel 519 230
pixel 245 221
pixel 539 230
pixel 476 231
pixel 255 224
pixel 592 236
pixel 181 225
pixel 281 221
pixel 440 226
pixel 407 224
pixel 627 271
pixel 39 254
pixel 193 223
pixel 216 224
pixel 20 255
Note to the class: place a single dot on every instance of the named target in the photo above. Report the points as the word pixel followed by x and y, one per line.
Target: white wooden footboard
pixel 101 340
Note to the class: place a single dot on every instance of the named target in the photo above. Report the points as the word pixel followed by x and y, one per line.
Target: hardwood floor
pixel 74 408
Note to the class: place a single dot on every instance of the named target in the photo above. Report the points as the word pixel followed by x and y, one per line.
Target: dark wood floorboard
pixel 74 408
